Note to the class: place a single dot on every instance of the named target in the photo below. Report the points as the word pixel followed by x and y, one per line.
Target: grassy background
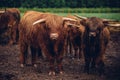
pixel 114 16
pixel 108 13
pixel 74 10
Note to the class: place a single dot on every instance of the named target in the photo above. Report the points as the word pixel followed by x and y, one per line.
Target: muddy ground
pixel 73 69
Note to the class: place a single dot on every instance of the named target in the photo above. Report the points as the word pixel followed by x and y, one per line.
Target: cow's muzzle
pixel 54 36
pixel 92 34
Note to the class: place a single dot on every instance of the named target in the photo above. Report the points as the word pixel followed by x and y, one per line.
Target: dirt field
pixel 73 69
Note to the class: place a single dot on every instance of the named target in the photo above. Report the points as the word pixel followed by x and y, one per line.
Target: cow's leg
pixel 66 47
pixel 59 62
pixel 23 54
pixel 50 58
pixel 87 64
pixel 70 49
pixel 17 34
pixel 59 56
pixel 14 36
pixel 52 70
pixel 80 51
pixel 10 36
pixel 100 65
pixel 33 53
pixel 93 65
pixel 39 52
pixel 76 52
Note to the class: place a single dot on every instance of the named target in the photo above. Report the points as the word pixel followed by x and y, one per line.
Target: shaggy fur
pixel 38 36
pixel 74 37
pixel 13 24
pixel 95 44
pixel 9 21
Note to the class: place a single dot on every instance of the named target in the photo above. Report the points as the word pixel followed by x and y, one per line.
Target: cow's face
pixel 58 27
pixel 94 26
pixel 54 26
pixel 4 19
pixel 52 30
pixel 72 29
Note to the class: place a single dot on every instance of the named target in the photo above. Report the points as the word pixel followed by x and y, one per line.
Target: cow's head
pixel 93 26
pixel 72 29
pixel 54 25
pixel 4 19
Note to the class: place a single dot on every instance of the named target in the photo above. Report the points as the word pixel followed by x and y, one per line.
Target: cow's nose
pixel 54 36
pixel 92 34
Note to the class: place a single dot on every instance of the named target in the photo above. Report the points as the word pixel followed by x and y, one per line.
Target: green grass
pixel 108 13
pixel 74 10
pixel 114 16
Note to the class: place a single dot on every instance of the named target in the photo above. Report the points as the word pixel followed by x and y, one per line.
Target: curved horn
pixel 69 19
pixel 115 25
pixel 81 17
pixel 109 20
pixel 69 24
pixel 39 21
pixel 2 11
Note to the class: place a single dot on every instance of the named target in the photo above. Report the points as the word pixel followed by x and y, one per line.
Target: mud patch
pixel 73 68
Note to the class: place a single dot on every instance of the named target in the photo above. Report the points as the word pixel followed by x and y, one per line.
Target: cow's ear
pixel 105 23
pixel 68 20
pixel 83 22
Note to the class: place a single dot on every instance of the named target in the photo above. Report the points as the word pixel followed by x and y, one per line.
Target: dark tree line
pixel 59 3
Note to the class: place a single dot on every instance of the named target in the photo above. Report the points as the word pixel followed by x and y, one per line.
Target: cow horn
pixel 114 25
pixel 39 21
pixel 72 25
pixel 109 20
pixel 2 11
pixel 81 17
pixel 69 19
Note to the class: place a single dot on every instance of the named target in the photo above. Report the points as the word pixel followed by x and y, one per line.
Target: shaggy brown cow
pixel 9 20
pixel 96 38
pixel 4 19
pixel 46 31
pixel 13 24
pixel 74 37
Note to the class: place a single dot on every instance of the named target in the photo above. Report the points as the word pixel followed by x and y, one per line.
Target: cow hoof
pixel 61 72
pixel 51 73
pixel 35 65
pixel 22 65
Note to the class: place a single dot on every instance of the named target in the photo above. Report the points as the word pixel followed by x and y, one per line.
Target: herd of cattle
pixel 53 36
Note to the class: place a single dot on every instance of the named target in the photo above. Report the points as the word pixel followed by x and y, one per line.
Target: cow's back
pixel 30 17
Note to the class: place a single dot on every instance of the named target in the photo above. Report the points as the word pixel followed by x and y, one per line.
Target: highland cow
pixel 13 24
pixel 96 38
pixel 9 20
pixel 46 31
pixel 74 37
